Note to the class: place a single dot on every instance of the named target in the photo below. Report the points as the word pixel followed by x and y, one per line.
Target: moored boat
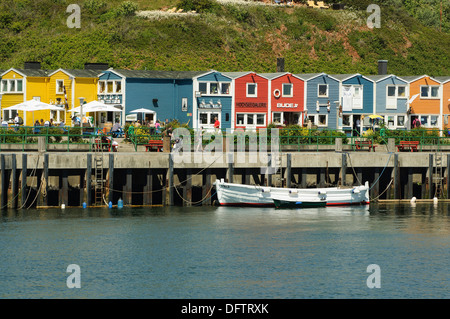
pixel 231 194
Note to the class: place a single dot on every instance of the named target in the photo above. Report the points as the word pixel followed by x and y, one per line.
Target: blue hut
pixel 212 98
pixel 167 95
pixel 356 101
pixel 321 99
pixel 391 97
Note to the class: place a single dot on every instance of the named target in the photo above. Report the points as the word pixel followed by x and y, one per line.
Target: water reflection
pixel 226 252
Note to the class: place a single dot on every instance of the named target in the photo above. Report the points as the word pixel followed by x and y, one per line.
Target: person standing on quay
pixel 216 124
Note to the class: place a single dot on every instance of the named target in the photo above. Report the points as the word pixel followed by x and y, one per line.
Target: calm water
pixel 219 252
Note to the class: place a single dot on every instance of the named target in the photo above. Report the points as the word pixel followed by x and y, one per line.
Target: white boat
pixel 231 194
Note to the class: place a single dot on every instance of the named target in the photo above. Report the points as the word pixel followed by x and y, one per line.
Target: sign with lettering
pixel 251 104
pixel 287 105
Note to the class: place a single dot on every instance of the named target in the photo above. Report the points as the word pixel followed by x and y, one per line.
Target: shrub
pixel 200 6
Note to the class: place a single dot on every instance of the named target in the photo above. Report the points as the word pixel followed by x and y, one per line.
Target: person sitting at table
pixel 116 129
pixel 4 123
pixel 36 127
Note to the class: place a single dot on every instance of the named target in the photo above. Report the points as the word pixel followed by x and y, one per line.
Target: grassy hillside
pixel 223 37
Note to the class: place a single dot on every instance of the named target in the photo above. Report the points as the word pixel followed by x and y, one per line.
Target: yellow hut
pixel 67 86
pixel 21 85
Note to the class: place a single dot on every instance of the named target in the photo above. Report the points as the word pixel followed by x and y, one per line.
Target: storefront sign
pixel 287 105
pixel 251 104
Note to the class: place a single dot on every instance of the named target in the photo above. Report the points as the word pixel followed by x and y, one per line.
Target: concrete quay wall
pixel 43 179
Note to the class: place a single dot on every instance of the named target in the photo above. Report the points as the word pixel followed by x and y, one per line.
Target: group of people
pixel 48 123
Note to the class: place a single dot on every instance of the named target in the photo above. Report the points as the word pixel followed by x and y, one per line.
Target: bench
pixel 359 145
pixel 408 145
pixel 158 144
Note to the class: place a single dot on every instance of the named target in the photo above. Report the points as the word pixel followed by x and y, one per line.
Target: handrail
pixel 298 137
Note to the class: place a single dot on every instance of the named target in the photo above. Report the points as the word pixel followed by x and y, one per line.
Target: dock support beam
pixel 171 184
pixel 111 178
pixel 448 177
pixel 396 178
pixel 23 183
pixel 344 169
pixel 288 170
pixel 4 185
pixel 14 186
pixel 430 177
pixel 87 190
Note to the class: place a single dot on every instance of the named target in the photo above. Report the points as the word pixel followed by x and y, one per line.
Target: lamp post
pixel 81 111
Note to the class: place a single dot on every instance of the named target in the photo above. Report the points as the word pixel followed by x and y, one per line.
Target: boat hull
pixel 230 194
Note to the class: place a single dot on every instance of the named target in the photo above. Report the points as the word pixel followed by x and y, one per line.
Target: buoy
pixel 84 205
pixel 120 203
pixel 110 205
pixel 63 206
pixel 413 200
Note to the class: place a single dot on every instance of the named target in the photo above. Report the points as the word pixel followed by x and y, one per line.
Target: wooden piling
pixel 14 182
pixel 171 184
pixel 23 183
pixel 128 187
pixel 187 194
pixel 206 188
pixel 396 177
pixel 288 169
pixel 88 188
pixel 430 176
pixel 111 178
pixel 147 198
pixel 64 188
pixel 3 185
pixel 344 169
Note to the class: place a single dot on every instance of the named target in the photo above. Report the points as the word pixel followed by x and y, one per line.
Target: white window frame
pixel 350 120
pixel 7 83
pixel 429 89
pixel 254 116
pixel 292 90
pixel 318 90
pixel 316 119
pixel 219 88
pixel 361 90
pixel 326 120
pixel 104 87
pixel 281 117
pixel 4 87
pixel 209 118
pixel 115 87
pixel 404 120
pixel 9 115
pixel 256 90
pixel 57 87
pixel 206 88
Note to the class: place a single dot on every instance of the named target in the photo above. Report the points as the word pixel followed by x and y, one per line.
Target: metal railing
pixel 29 135
pixel 294 139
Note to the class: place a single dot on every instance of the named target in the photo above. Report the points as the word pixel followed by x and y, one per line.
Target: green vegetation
pixel 228 37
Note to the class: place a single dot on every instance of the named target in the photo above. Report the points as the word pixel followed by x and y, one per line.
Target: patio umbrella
pixel 96 106
pixel 375 116
pixel 143 111
pixel 33 105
